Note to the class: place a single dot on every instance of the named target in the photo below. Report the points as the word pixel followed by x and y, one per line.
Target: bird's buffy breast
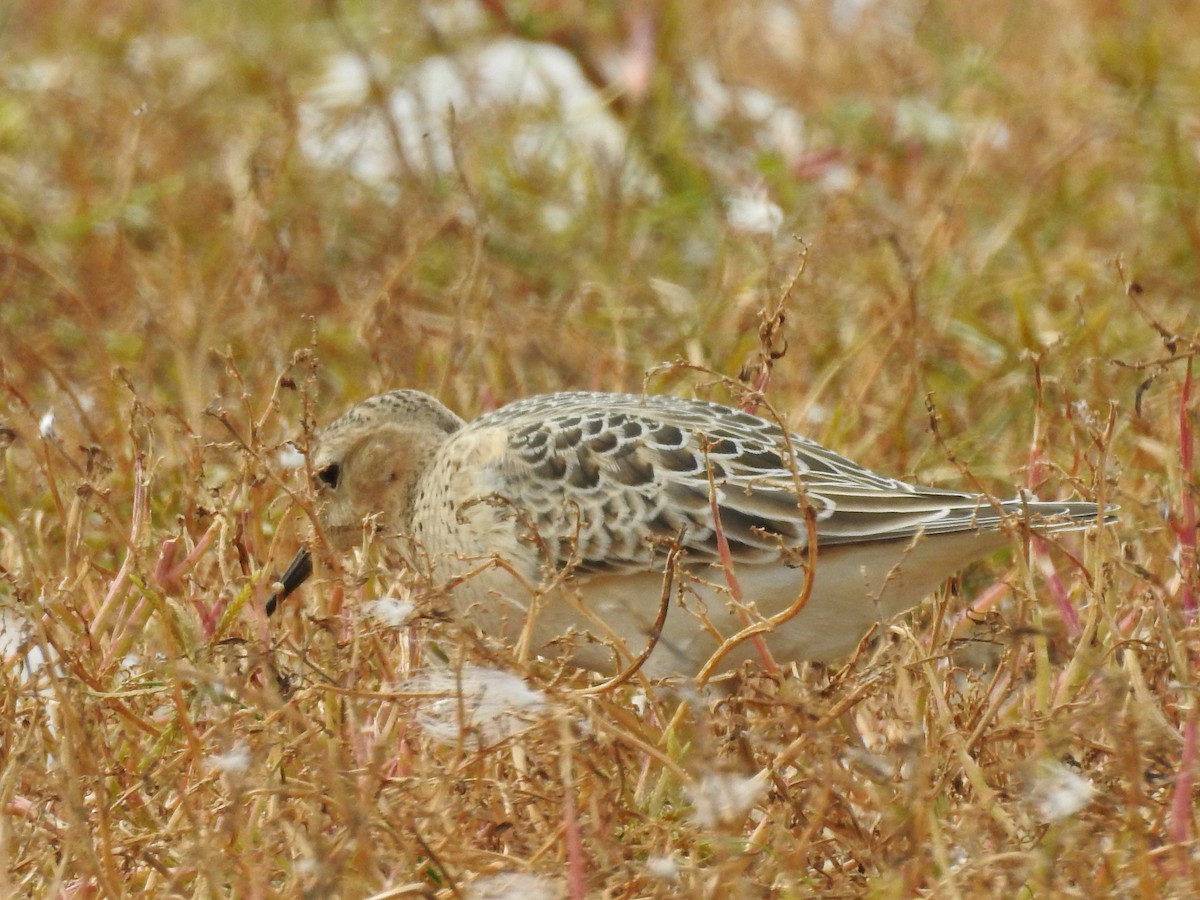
pixel 464 525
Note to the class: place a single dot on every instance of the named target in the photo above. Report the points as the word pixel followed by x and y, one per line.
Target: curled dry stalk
pixel 732 582
pixel 753 630
pixel 670 568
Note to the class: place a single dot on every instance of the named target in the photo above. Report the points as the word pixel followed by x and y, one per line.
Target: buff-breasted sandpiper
pixel 566 507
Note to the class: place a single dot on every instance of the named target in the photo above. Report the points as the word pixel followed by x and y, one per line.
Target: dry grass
pixel 999 207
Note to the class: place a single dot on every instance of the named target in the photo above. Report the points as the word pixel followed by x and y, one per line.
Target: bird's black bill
pixel 297 573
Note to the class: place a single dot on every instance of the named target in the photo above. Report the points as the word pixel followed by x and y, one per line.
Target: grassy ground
pixel 989 209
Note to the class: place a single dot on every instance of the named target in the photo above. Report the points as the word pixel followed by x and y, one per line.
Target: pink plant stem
pixel 641 48
pixel 1054 583
pixel 166 574
pixel 166 564
pixel 576 871
pixel 572 834
pixel 1179 826
pixel 1186 528
pixel 116 591
pixel 735 587
pixel 27 809
pixel 1039 550
pixel 760 387
pixel 123 634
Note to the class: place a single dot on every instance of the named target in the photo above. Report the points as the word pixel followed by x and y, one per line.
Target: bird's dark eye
pixel 330 474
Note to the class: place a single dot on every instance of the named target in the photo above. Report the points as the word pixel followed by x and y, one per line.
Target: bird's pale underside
pixel 565 507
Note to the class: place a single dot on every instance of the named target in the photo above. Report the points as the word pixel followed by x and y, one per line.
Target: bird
pixel 649 530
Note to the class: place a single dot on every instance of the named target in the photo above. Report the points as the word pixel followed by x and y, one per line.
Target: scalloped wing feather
pixel 609 479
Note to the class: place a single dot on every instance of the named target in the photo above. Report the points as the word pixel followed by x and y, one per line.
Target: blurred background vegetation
pixel 220 223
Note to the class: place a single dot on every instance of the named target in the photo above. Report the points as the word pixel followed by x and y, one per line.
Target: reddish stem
pixel 1186 526
pixel 735 587
pixel 1039 549
pixel 1179 825
pixel 576 866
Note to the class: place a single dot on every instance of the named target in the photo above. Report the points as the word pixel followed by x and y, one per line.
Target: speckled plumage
pixel 599 485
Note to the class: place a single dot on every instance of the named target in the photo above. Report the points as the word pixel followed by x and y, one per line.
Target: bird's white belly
pixel 853 588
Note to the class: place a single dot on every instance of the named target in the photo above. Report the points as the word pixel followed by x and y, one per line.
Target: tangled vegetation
pixel 959 243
